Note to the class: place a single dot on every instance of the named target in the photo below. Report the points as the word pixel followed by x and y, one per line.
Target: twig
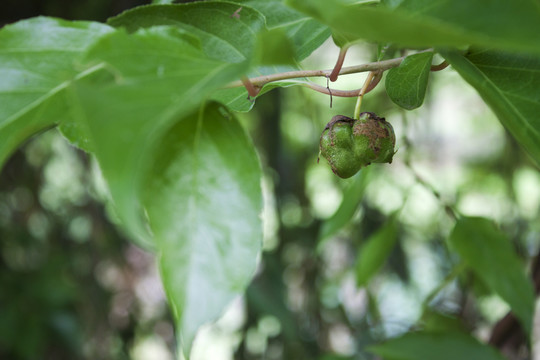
pixel 259 81
pixel 339 63
pixel 440 67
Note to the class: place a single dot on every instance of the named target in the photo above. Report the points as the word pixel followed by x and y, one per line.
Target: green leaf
pixel 150 80
pixel 305 33
pixel 510 85
pixel 489 254
pixel 204 199
pixel 440 346
pixel 375 251
pixel 274 47
pixel 352 196
pixel 406 85
pixel 501 24
pixel 35 70
pixel 224 37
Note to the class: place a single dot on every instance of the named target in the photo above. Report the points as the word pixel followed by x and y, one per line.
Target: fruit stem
pixel 361 95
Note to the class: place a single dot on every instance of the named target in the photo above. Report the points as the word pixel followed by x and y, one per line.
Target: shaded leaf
pixel 440 346
pixel 274 47
pixel 35 70
pixel 352 197
pixel 223 36
pixel 406 85
pixel 510 85
pixel 489 254
pixel 374 252
pixel 125 110
pixel 203 200
pixel 423 23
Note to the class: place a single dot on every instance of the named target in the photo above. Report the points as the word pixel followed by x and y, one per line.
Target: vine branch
pixel 253 85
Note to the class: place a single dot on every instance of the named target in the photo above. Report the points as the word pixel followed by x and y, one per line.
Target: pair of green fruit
pixel 350 144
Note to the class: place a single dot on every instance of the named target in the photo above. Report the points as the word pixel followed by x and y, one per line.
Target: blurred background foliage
pixel 73 287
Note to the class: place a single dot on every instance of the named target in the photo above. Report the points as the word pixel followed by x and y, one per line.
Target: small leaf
pixel 375 251
pixel 489 254
pixel 510 85
pixel 440 346
pixel 35 70
pixel 511 25
pixel 406 85
pixel 204 199
pixel 352 196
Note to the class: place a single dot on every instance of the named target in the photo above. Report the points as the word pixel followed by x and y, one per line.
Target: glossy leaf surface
pixel 126 108
pixel 223 36
pixel 203 200
pixel 35 70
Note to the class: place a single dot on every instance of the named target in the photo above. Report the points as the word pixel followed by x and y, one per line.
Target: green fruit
pixel 350 144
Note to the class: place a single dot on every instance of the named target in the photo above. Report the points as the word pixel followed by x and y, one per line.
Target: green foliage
pixel 440 23
pixel 509 84
pixel 444 346
pixel 203 206
pixel 406 85
pixel 35 71
pixel 375 251
pixel 148 96
pixel 489 254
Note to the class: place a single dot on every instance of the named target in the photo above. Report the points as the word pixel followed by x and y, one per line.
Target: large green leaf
pixel 151 79
pixel 223 36
pixel 502 24
pixel 37 62
pixel 489 254
pixel 306 33
pixel 203 200
pixel 440 346
pixel 406 84
pixel 510 85
pixel 374 252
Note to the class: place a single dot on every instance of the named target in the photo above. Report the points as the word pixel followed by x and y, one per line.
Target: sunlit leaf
pixel 489 254
pixel 34 72
pixel 440 346
pixel 510 85
pixel 204 199
pixel 124 110
pixel 223 35
pixel 406 85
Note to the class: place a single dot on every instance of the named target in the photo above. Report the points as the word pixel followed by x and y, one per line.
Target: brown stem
pixel 250 87
pixel 374 82
pixel 259 81
pixel 339 64
pixel 440 67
